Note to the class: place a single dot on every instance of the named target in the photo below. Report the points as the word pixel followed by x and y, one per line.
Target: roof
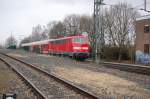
pixel 36 43
pixel 143 17
pixel 46 41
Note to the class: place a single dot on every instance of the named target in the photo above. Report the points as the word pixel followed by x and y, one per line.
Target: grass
pixel 102 83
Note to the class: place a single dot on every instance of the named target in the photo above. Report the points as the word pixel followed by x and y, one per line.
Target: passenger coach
pixel 74 46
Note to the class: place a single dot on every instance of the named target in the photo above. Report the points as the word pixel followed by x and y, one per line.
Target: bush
pixel 113 53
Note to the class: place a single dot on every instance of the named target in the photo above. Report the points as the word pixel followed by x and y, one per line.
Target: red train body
pixel 74 46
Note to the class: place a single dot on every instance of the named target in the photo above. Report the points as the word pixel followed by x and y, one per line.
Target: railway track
pixel 128 67
pixel 45 84
pixel 12 83
pixel 140 69
pixel 30 85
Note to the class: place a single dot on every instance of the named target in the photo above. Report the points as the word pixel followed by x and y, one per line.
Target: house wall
pixel 141 39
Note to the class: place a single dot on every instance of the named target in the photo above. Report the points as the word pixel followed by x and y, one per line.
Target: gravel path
pixel 11 83
pixel 68 69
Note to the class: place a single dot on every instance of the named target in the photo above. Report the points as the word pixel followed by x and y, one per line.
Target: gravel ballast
pixel 12 83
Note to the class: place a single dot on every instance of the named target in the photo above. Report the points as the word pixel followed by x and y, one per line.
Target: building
pixel 142 26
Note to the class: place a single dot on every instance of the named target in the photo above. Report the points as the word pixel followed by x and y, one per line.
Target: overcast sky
pixel 19 16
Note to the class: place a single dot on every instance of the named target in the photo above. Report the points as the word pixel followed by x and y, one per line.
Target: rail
pixel 128 67
pixel 38 92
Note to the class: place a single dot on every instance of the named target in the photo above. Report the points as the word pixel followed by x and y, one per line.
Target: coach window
pixel 146 48
pixel 61 41
pixel 64 41
pixel 146 28
pixel 57 42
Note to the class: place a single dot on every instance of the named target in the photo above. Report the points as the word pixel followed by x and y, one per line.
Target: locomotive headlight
pixel 85 48
pixel 77 48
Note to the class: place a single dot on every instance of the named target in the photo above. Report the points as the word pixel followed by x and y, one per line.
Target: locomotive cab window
pixel 146 28
pixel 79 40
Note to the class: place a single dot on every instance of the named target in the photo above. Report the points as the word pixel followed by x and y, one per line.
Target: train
pixel 12 46
pixel 77 47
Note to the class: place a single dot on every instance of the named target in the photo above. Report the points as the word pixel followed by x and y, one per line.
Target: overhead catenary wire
pixel 135 7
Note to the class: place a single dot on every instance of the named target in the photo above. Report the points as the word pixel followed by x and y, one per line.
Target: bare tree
pixel 110 30
pixel 72 23
pixel 86 24
pixel 119 25
pixel 51 30
pixel 36 33
pixel 26 40
pixel 44 34
pixel 39 33
pixel 58 30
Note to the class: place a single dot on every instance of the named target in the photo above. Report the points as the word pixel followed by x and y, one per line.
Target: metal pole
pixel 94 46
pixel 145 5
pixel 11 38
pixel 97 29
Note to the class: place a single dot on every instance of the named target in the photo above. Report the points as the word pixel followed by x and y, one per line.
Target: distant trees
pixel 86 24
pixel 38 33
pixel 26 40
pixel 11 41
pixel 71 25
pixel 57 29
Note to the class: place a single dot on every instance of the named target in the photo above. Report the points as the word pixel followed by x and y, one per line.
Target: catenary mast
pixel 99 35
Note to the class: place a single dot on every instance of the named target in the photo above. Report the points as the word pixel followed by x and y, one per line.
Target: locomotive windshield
pixel 79 40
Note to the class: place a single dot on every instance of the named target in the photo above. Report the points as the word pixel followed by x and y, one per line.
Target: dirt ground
pixel 18 55
pixel 6 78
pixel 103 83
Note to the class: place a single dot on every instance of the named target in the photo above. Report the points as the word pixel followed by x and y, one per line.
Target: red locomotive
pixel 74 46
